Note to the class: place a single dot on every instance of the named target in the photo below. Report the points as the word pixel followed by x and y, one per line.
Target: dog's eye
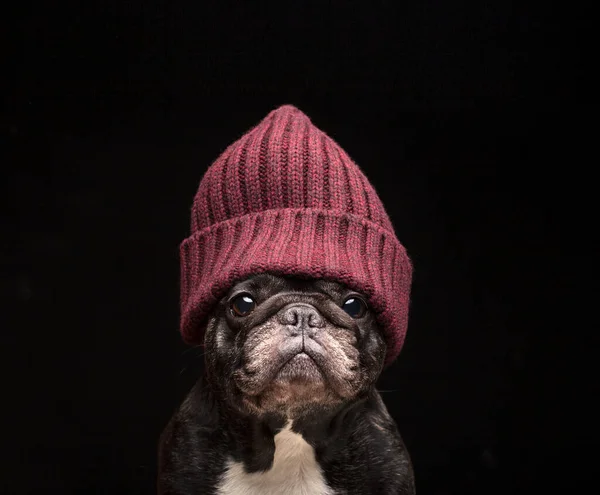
pixel 355 307
pixel 243 305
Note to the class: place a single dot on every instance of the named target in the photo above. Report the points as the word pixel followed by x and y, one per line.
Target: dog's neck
pixel 252 439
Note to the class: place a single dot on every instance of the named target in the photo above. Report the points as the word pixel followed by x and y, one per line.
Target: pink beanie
pixel 286 199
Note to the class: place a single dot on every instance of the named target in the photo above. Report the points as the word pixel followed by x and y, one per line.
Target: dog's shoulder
pixel 190 457
pixel 373 456
pixel 389 455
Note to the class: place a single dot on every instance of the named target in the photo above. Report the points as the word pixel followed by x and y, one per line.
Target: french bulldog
pixel 287 403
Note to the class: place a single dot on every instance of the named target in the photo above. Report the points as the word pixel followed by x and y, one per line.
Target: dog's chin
pixel 299 383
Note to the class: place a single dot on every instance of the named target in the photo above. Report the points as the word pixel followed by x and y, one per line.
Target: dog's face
pixel 285 345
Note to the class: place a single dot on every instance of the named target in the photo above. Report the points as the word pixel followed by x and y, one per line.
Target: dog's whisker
pixel 190 349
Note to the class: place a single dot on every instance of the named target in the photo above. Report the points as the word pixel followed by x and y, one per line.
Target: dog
pixel 287 403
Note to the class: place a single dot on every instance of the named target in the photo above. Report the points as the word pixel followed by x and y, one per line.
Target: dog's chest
pixel 295 471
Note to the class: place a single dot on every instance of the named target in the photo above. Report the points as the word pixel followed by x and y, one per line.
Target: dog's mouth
pixel 291 368
pixel 300 367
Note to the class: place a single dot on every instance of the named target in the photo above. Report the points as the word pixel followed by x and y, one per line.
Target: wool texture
pixel 285 198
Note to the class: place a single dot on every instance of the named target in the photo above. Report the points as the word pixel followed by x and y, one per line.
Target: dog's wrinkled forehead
pixel 264 285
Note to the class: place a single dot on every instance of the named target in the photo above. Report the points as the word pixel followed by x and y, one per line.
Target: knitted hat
pixel 286 199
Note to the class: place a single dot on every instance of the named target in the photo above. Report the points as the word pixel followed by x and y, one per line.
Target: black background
pixel 459 113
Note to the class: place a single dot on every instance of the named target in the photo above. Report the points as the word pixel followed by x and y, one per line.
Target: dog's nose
pixel 301 317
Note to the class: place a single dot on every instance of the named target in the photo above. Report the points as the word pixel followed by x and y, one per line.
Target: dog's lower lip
pixel 299 356
pixel 303 356
pixel 300 361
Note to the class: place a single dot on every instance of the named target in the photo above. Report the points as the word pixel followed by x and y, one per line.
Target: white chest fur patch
pixel 295 471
